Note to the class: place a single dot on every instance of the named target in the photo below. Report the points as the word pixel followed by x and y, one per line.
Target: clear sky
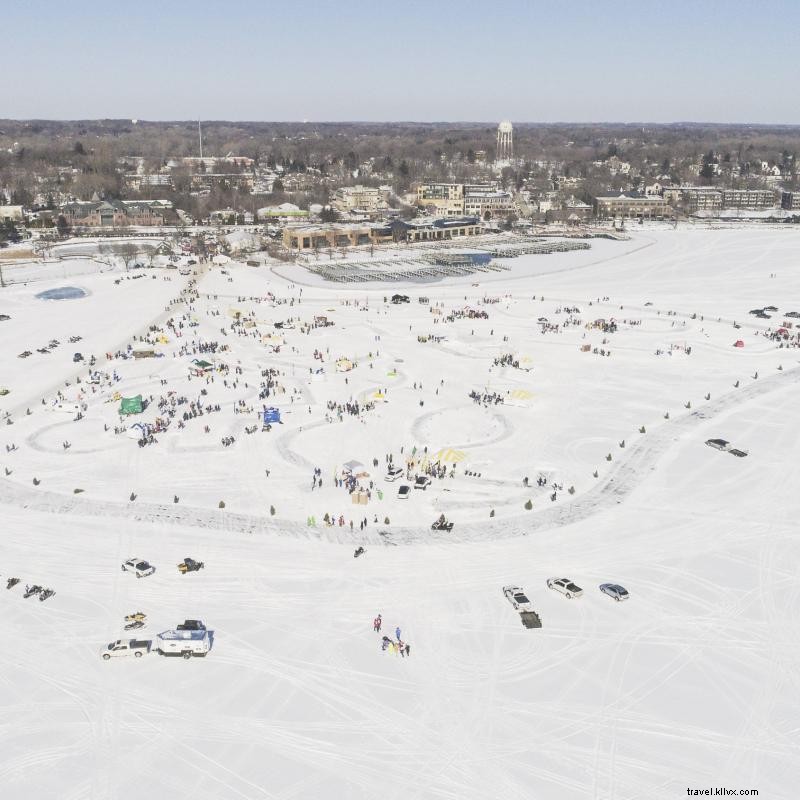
pixel 526 60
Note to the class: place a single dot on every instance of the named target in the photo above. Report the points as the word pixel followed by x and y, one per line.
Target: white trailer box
pixel 183 643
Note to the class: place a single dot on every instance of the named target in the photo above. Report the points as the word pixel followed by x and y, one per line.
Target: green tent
pixel 131 405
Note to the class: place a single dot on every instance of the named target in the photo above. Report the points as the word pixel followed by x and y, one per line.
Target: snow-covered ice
pixel 691 683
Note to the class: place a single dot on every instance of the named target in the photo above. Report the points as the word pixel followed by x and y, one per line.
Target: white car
pixel 422 482
pixel 517 598
pixel 565 586
pixel 139 567
pixel 124 647
pixel 394 473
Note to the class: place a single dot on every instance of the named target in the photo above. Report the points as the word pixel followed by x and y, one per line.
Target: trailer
pixel 183 643
pixel 530 619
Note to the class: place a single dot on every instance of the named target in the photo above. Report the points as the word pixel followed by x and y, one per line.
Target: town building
pixel 789 200
pixel 426 230
pixel 443 199
pixel 325 237
pixel 305 238
pixel 112 214
pixel 480 200
pixel 630 205
pixel 12 213
pixel 361 198
pixel 694 198
pixel 749 199
pixel 283 210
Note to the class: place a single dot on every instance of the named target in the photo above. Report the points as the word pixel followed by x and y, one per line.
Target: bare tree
pixel 127 251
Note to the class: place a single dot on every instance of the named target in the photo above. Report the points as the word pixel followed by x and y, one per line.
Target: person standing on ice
pixel 397 633
pixel 376 624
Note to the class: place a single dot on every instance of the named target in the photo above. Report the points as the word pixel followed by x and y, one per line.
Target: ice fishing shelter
pixel 131 405
pixel 344 365
pixel 144 350
pixel 200 367
pixel 738 343
pixel 270 414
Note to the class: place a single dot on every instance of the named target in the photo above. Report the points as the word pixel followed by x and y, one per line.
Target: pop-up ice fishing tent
pixel 131 405
pixel 270 414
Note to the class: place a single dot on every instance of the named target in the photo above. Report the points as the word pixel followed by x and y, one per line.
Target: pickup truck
pixel 123 647
pixel 183 643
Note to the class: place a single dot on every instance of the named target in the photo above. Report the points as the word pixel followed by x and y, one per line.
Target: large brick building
pixel 111 214
pixel 631 205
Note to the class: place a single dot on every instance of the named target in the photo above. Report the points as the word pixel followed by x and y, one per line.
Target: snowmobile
pixel 12 582
pixel 138 616
pixel 45 593
pixel 190 565
pixel 442 524
pixel 359 552
pixel 133 626
pixel 30 590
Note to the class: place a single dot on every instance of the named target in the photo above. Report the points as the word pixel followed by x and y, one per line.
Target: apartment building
pixel 480 200
pixel 749 199
pixel 444 199
pixel 630 205
pixel 361 198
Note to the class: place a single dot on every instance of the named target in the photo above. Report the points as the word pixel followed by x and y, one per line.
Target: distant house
pixel 13 213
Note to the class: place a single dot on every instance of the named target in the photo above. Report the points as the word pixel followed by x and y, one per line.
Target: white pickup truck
pixel 183 643
pixel 126 647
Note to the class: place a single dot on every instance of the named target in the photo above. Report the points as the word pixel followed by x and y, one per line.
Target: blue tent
pixel 271 414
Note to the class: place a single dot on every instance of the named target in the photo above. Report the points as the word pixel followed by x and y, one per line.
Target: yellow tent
pixel 521 394
pixel 378 396
pixel 344 365
pixel 450 455
pixel 163 339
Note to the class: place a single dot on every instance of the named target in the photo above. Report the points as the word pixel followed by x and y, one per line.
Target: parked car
pixel 756 311
pixel 517 598
pixel 422 482
pixel 770 308
pixel 403 492
pixel 735 451
pixel 393 474
pixel 614 591
pixel 565 586
pixel 719 444
pixel 139 567
pixel 793 314
pixel 123 647
pixel 77 357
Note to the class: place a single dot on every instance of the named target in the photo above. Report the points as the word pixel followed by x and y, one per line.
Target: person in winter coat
pixel 397 633
pixel 376 624
pixel 408 649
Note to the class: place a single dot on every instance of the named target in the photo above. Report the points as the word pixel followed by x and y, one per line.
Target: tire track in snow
pixel 641 459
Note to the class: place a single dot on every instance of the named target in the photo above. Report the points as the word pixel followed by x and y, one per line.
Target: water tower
pixel 505 141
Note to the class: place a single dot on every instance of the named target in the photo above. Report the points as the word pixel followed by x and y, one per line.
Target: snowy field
pixel 691 683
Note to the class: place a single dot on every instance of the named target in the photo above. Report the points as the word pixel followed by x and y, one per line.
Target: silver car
pixel 614 591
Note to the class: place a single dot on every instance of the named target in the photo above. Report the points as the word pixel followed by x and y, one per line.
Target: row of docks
pixel 512 250
pixel 423 268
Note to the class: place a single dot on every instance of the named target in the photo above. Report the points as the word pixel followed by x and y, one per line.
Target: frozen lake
pixel 604 406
